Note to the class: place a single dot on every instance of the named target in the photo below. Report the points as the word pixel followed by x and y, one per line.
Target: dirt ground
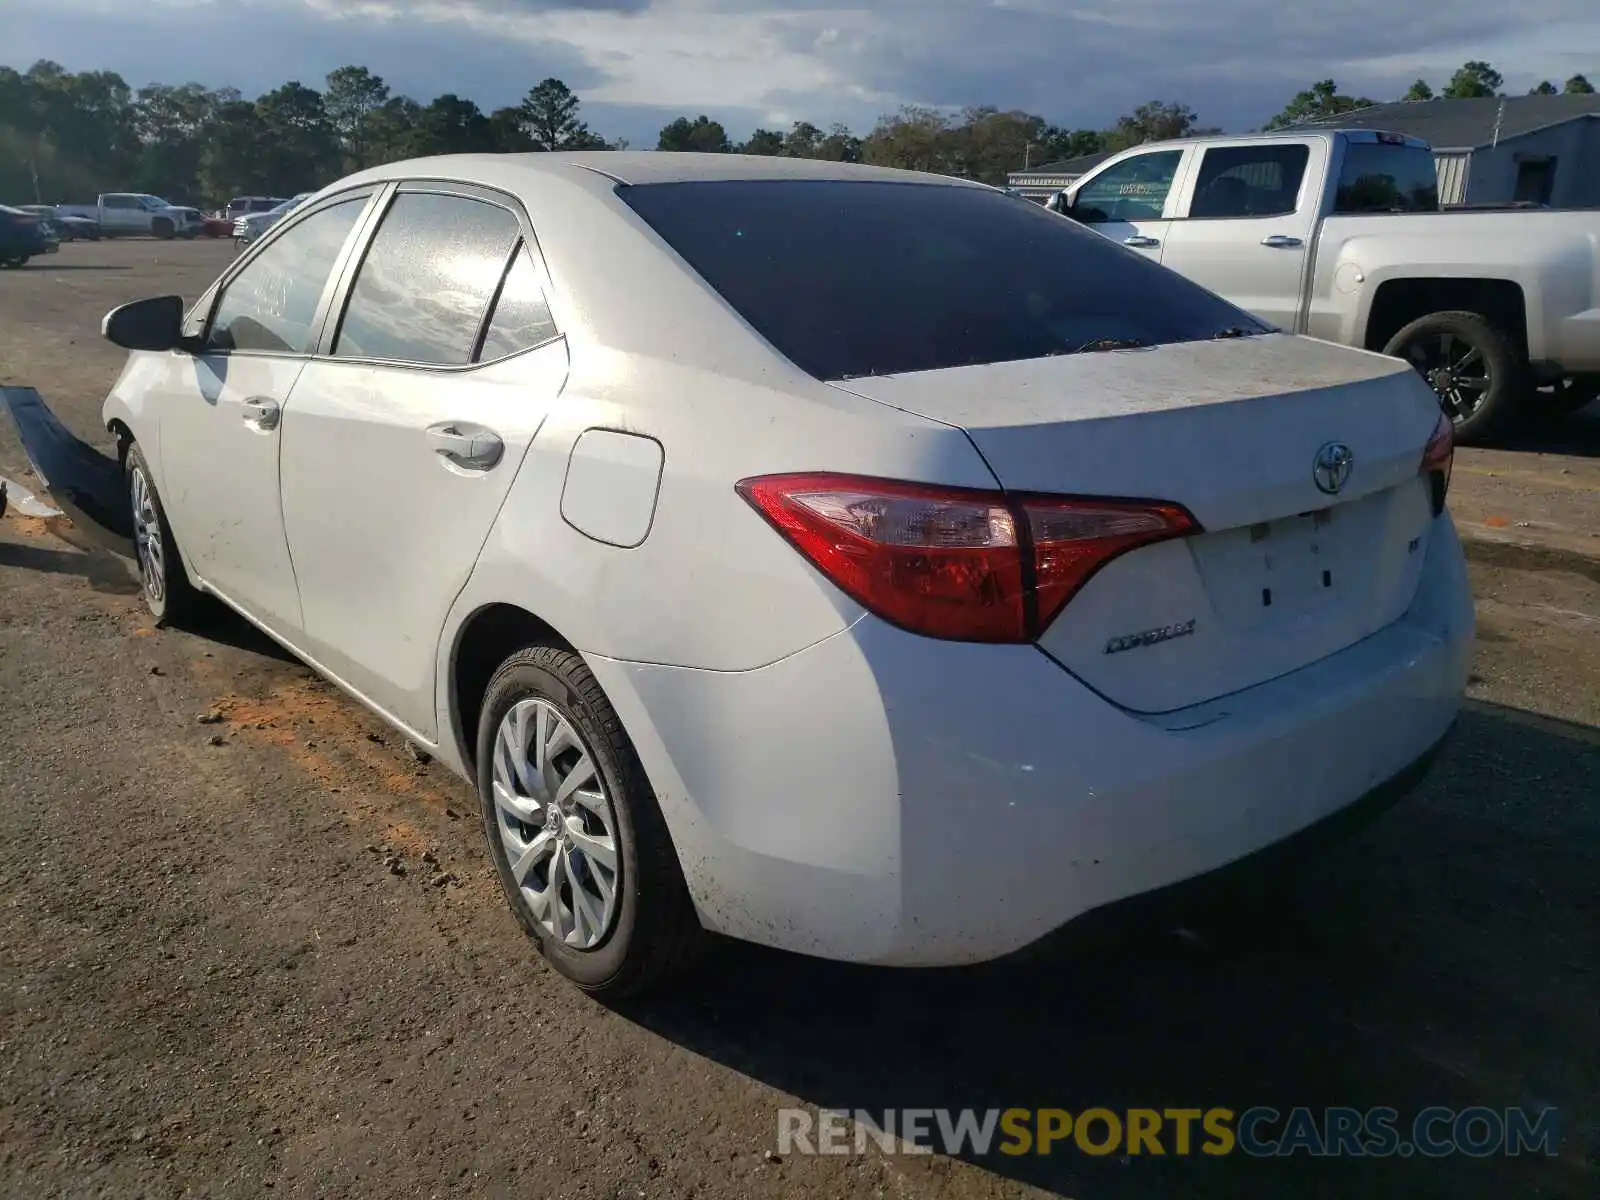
pixel 212 984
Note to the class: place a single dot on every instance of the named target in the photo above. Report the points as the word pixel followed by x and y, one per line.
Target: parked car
pixel 67 228
pixel 851 560
pixel 241 206
pixel 1339 234
pixel 133 214
pixel 252 225
pixel 23 235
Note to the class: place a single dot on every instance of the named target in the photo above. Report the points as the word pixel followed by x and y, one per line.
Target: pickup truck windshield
pixel 1379 177
pixel 850 278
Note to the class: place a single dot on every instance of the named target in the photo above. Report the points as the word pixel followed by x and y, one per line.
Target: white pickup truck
pixel 135 214
pixel 1339 235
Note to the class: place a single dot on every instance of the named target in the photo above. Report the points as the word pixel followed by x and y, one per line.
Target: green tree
pixel 450 125
pixel 550 119
pixel 1154 121
pixel 507 133
pixel 763 141
pixel 231 159
pixel 1578 86
pixel 387 131
pixel 1419 90
pixel 351 96
pixel 701 135
pixel 802 141
pixel 1322 99
pixel 300 149
pixel 1473 80
pixel 839 146
pixel 1545 88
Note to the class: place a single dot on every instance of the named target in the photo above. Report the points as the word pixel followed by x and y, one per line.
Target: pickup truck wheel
pixel 1471 365
pixel 162 228
pixel 167 592
pixel 577 837
pixel 1572 394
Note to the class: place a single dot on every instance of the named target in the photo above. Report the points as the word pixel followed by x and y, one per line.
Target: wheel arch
pixel 485 639
pixel 1398 302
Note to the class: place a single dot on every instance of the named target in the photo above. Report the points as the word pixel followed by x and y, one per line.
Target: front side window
pixel 521 318
pixel 1133 190
pixel 850 278
pixel 119 202
pixel 427 280
pixel 1249 181
pixel 271 303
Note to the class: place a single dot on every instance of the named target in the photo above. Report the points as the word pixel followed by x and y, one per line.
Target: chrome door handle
pixel 1140 239
pixel 471 447
pixel 1280 241
pixel 261 411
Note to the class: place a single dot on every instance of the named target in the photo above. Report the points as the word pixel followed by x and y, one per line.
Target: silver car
pixel 252 225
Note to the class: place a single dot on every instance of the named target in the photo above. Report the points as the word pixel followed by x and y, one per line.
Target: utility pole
pixel 34 171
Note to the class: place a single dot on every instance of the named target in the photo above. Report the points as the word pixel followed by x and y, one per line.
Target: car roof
pixel 646 167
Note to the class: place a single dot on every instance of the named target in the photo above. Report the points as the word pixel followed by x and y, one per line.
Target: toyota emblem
pixel 1331 467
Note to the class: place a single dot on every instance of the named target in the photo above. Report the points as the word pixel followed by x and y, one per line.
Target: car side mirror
pixel 153 324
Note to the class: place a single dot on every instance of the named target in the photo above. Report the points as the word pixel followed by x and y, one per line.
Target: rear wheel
pixel 167 592
pixel 578 840
pixel 1472 366
pixel 1572 394
pixel 13 260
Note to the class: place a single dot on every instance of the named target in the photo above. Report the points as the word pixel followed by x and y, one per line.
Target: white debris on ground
pixel 13 496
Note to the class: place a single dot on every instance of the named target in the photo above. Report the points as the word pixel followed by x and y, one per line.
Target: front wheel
pixel 165 585
pixel 1472 366
pixel 162 228
pixel 578 841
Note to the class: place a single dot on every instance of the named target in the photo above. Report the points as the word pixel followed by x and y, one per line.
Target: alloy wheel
pixel 147 538
pixel 556 824
pixel 1455 369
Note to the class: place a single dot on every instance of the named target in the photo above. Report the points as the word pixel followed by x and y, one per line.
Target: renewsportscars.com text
pixel 1260 1131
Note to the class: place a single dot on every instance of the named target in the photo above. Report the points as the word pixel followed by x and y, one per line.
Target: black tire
pixel 1504 375
pixel 165 585
pixel 14 261
pixel 1572 394
pixel 653 933
pixel 163 228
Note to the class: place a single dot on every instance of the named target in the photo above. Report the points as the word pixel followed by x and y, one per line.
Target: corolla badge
pixel 1331 467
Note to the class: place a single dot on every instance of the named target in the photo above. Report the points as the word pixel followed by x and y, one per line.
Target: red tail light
pixel 957 563
pixel 1439 458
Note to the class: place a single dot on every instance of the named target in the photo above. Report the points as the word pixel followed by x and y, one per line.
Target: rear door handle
pixel 470 447
pixel 1140 239
pixel 1280 241
pixel 261 411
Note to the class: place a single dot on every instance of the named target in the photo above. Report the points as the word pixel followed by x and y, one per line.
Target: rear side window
pixel 521 318
pixel 1381 177
pixel 852 278
pixel 1249 181
pixel 425 284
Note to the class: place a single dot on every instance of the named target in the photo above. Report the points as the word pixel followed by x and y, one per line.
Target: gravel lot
pixel 213 983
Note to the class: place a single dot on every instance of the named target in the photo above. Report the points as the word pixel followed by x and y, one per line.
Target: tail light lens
pixel 1438 459
pixel 956 563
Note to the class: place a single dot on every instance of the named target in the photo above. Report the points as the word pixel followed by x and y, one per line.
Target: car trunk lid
pixel 1284 573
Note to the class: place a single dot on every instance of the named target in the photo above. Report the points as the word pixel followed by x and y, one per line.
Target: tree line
pixel 65 136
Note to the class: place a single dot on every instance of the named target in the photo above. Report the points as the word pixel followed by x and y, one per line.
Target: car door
pixel 222 415
pixel 120 215
pixel 1245 225
pixel 402 439
pixel 1128 200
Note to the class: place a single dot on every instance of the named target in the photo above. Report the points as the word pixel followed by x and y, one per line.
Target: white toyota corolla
pixel 860 562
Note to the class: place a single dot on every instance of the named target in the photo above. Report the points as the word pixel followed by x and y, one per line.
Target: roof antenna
pixel 1499 115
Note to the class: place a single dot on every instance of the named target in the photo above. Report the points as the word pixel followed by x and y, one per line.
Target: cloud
pixel 638 63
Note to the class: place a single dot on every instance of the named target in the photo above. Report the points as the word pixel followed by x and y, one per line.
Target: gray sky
pixel 638 63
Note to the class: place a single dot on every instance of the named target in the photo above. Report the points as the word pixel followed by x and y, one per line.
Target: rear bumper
pixel 890 799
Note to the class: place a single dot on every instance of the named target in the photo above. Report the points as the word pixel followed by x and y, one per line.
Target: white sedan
pixel 854 561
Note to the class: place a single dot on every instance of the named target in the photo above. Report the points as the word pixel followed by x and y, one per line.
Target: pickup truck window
pixel 1249 181
pixel 851 278
pixel 1378 177
pixel 1133 190
pixel 119 202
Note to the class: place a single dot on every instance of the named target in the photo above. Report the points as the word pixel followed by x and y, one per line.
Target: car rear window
pixel 850 278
